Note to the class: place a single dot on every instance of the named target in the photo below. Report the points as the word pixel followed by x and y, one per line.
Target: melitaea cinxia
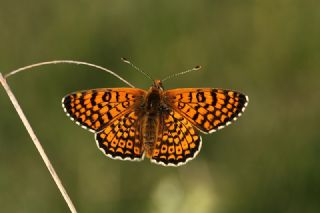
pixel 130 123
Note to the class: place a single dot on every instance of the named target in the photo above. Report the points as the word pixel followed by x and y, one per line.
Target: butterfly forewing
pixel 177 141
pixel 122 138
pixel 97 108
pixel 207 109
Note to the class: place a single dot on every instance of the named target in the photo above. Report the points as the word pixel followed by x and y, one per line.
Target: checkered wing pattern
pixel 207 109
pixel 122 139
pixel 95 109
pixel 177 143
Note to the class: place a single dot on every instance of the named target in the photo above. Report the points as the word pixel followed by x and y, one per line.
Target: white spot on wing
pixel 221 127
pixel 212 130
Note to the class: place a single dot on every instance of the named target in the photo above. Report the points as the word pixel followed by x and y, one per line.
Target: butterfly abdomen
pixel 150 128
pixel 151 119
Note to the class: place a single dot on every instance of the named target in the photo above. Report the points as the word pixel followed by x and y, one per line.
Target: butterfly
pixel 163 125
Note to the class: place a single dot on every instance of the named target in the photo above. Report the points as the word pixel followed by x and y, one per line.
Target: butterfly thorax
pixel 151 118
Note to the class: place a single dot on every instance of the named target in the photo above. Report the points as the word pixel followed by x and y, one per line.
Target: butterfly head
pixel 157 84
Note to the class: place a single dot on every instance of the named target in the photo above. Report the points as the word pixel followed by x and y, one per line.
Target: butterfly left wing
pixel 177 143
pixel 207 109
pixel 122 139
pixel 97 108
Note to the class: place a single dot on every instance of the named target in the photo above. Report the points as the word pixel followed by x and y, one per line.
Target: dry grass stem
pixel 68 62
pixel 37 144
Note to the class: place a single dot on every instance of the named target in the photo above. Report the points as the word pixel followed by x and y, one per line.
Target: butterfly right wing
pixel 177 143
pixel 97 108
pixel 207 109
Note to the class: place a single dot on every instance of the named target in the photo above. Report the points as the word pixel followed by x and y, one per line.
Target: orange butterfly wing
pixel 207 109
pixel 177 142
pixel 97 108
pixel 122 138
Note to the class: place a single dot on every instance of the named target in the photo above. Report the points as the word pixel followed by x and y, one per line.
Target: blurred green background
pixel 268 161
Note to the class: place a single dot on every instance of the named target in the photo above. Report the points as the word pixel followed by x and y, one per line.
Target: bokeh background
pixel 268 161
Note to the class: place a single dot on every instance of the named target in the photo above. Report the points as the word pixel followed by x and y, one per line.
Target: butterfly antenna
pixel 136 68
pixel 181 73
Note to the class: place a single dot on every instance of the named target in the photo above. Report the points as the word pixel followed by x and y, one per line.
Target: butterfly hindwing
pixel 122 138
pixel 95 109
pixel 207 109
pixel 178 142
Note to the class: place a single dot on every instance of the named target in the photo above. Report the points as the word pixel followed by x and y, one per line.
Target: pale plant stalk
pixel 68 62
pixel 29 128
pixel 37 144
